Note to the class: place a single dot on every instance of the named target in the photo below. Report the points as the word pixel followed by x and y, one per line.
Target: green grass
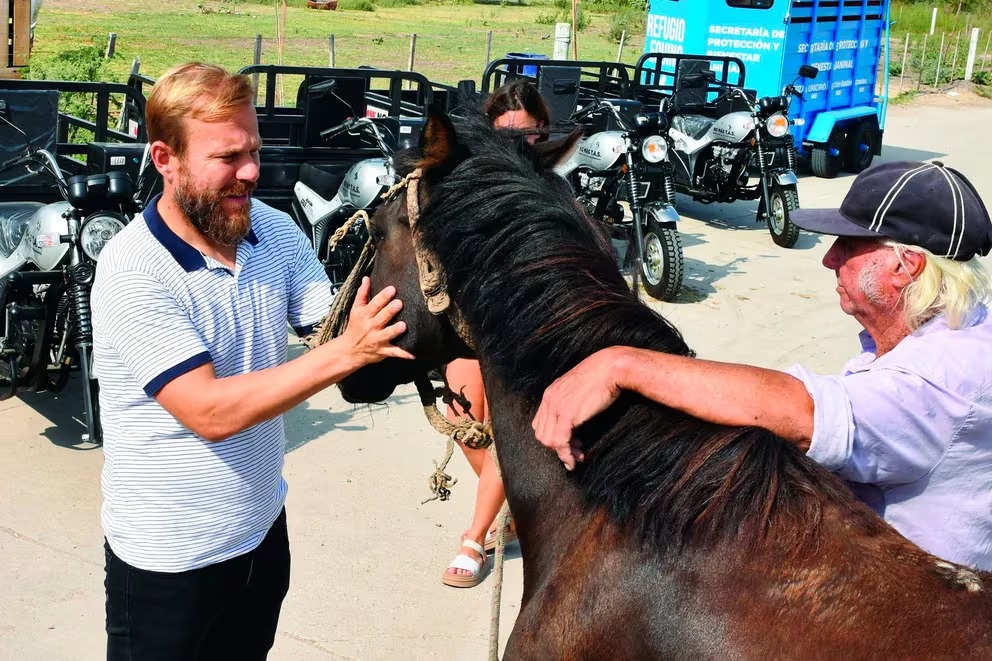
pixel 915 18
pixel 451 38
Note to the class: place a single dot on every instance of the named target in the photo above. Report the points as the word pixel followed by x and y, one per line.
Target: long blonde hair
pixel 944 286
pixel 201 91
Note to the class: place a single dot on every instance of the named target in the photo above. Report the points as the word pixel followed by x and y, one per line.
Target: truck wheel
pixel 663 261
pixel 785 200
pixel 862 143
pixel 828 159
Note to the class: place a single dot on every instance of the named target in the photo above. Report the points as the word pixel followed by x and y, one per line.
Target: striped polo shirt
pixel 174 501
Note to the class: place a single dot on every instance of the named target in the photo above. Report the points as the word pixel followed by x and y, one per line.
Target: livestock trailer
pixel 840 119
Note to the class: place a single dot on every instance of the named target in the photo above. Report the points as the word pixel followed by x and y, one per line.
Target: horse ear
pixel 554 152
pixel 437 141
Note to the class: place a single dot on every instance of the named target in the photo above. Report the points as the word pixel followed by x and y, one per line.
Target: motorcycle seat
pixel 695 126
pixel 320 181
pixel 14 217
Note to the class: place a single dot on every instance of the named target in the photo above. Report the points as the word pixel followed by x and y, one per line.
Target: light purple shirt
pixel 912 431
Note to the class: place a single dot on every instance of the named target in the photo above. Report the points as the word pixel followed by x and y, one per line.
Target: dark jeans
pixel 225 611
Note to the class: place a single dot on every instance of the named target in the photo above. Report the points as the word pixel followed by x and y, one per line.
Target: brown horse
pixel 676 538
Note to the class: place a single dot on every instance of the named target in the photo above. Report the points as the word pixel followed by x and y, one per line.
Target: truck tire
pixel 828 159
pixel 663 261
pixel 862 143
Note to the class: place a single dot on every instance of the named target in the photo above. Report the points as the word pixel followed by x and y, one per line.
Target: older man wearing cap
pixel 908 422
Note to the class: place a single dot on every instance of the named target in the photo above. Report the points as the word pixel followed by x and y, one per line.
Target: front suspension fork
pixel 81 279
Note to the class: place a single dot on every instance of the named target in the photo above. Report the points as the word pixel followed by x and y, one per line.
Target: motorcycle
pixel 630 165
pixel 715 154
pixel 323 200
pixel 48 255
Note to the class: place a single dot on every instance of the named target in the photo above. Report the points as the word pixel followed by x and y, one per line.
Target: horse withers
pixel 676 538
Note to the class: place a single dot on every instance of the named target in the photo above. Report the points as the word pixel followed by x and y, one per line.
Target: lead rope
pixel 471 432
pixel 475 435
pixel 502 520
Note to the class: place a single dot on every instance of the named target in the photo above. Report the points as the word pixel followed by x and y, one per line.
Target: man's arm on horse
pixel 723 393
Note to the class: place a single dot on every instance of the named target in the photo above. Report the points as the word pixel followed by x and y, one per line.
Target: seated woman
pixel 518 106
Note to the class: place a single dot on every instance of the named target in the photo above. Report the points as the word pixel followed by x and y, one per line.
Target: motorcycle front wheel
pixel 663 261
pixel 785 200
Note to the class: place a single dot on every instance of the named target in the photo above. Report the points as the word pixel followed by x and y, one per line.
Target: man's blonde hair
pixel 944 286
pixel 201 91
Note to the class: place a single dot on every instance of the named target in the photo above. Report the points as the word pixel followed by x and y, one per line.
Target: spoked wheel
pixel 785 200
pixel 663 261
pixel 828 159
pixel 862 143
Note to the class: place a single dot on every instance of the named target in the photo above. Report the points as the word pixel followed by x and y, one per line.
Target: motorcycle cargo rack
pixel 661 75
pixel 107 102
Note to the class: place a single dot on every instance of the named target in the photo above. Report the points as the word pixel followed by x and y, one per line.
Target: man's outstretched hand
pixel 586 390
pixel 369 333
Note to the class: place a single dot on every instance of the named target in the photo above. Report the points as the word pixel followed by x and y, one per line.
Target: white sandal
pixel 468 563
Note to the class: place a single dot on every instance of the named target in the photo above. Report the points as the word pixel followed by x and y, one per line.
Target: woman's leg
pixel 464 376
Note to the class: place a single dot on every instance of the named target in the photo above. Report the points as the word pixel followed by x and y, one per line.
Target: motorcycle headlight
pixel 777 125
pixel 97 230
pixel 654 149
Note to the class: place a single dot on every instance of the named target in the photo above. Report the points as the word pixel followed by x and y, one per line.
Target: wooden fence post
pixel 489 48
pixel 111 45
pixel 331 59
pixel 623 38
pixel 923 62
pixel 986 55
pixel 969 67
pixel 256 60
pixel 563 39
pixel 940 58
pixel 413 50
pixel 954 62
pixel 902 71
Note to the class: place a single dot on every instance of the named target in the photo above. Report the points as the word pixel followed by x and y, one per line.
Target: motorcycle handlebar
pixel 44 158
pixel 791 89
pixel 359 123
pixel 343 126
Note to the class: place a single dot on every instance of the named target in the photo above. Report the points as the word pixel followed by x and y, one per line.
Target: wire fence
pixel 921 61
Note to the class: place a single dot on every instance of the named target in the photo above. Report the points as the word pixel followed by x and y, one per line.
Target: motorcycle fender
pixel 664 214
pixel 784 178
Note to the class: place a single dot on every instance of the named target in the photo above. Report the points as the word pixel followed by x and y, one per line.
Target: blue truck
pixel 839 121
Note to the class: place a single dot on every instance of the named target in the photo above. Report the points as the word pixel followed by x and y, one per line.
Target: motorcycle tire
pixel 862 143
pixel 827 160
pixel 785 200
pixel 664 264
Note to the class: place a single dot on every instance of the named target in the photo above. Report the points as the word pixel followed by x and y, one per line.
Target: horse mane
pixel 536 280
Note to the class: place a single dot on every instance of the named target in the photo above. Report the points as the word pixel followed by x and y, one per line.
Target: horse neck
pixel 536 483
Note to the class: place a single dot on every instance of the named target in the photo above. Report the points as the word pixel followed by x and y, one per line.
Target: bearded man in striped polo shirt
pixel 190 311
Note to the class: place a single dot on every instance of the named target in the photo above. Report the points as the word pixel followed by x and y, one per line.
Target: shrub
pixel 632 21
pixel 82 64
pixel 356 5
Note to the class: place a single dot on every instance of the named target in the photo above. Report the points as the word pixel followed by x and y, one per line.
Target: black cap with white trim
pixel 919 204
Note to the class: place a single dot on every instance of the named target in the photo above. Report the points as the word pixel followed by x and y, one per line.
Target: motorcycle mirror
pixel 808 71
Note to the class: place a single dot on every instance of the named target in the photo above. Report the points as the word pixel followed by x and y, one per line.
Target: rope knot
pixel 473 434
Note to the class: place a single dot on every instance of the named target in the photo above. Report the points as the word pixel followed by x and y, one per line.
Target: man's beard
pixel 205 210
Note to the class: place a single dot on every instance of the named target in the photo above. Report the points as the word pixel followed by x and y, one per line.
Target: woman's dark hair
pixel 518 94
